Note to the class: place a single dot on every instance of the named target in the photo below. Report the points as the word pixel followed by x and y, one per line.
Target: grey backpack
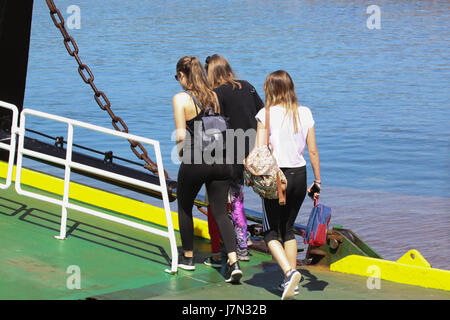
pixel 211 131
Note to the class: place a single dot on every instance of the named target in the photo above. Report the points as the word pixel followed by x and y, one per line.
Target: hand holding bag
pixel 262 173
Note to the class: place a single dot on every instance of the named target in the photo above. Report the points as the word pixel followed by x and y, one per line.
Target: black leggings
pixel 217 178
pixel 282 218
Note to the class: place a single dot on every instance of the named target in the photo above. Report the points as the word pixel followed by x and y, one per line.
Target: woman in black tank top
pixel 192 175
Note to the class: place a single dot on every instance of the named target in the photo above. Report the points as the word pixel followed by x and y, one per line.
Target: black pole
pixel 15 27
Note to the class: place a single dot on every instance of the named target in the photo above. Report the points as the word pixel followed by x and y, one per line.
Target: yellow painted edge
pixel 103 199
pixel 393 271
pixel 415 258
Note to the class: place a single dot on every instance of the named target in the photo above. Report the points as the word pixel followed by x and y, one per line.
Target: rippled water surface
pixel 380 98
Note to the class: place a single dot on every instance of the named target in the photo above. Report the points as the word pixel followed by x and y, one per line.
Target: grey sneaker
pixel 243 254
pixel 282 285
pixel 290 283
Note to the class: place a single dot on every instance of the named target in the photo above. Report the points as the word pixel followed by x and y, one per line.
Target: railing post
pixel 67 169
pixel 12 143
pixel 165 196
pixel 21 133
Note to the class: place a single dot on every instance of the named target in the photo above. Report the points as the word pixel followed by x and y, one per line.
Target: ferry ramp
pixel 114 261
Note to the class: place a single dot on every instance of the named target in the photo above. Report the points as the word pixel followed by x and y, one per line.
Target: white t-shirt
pixel 288 147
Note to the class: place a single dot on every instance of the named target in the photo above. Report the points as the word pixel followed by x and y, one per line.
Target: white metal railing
pixel 12 143
pixel 69 164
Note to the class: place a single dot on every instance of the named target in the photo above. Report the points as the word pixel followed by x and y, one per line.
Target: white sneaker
pixel 283 284
pixel 290 283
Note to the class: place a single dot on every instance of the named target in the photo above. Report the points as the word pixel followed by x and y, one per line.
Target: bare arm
pixel 261 136
pixel 178 102
pixel 313 157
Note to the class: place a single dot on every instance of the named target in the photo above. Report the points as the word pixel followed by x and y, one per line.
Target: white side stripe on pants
pixel 266 225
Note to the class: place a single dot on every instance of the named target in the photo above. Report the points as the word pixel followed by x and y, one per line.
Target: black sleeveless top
pixel 190 123
pixel 194 144
pixel 189 147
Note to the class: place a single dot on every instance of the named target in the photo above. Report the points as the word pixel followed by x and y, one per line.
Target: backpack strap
pixel 281 185
pixel 196 102
pixel 267 125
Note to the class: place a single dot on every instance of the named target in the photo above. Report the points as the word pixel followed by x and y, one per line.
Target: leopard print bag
pixel 262 172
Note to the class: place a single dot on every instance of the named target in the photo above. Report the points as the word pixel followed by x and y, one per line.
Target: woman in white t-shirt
pixel 291 131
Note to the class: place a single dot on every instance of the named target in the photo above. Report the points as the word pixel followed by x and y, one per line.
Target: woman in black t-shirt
pixel 240 103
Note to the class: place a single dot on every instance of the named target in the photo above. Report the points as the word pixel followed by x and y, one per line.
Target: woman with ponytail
pixel 189 106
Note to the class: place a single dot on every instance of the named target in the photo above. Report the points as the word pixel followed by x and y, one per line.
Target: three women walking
pixel 291 132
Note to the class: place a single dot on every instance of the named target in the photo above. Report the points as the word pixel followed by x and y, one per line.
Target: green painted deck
pixel 119 262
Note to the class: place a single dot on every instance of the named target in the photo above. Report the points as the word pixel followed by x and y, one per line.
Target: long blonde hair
pixel 279 90
pixel 197 83
pixel 219 72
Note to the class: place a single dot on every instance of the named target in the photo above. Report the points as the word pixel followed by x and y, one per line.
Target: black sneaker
pixel 233 273
pixel 186 263
pixel 210 261
pixel 290 284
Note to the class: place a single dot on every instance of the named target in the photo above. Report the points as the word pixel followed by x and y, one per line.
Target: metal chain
pixel 99 96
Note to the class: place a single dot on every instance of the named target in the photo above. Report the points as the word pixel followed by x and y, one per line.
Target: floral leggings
pixel 236 207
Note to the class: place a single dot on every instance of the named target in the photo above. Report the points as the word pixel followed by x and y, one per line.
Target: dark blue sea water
pixel 380 97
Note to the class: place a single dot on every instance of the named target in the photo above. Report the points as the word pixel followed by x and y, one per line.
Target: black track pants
pixel 282 218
